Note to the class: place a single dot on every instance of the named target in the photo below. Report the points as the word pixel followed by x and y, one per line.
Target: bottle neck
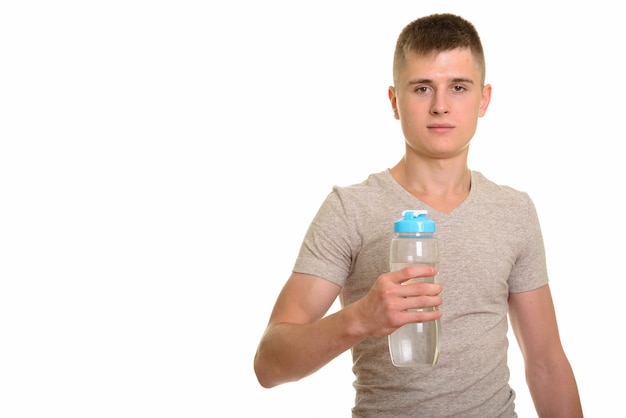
pixel 414 235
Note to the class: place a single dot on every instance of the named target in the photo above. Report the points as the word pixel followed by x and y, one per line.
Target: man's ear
pixel 394 102
pixel 485 100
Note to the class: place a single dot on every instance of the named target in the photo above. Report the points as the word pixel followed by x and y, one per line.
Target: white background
pixel 160 162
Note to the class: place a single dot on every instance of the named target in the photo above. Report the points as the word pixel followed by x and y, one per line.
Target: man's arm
pixel 299 339
pixel 549 374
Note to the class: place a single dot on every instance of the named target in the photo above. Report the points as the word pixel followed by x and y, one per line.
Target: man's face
pixel 438 100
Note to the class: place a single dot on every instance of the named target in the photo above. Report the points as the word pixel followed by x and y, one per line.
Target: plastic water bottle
pixel 415 344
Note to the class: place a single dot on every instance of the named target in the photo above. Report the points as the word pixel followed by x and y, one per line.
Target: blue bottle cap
pixel 414 221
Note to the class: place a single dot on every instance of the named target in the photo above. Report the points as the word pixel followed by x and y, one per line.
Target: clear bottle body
pixel 415 344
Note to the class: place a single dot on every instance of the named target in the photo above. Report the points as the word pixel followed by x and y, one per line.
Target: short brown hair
pixel 436 33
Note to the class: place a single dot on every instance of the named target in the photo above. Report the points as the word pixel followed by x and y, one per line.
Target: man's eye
pixel 421 89
pixel 458 88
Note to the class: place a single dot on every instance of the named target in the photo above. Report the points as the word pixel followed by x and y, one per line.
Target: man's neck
pixel 442 185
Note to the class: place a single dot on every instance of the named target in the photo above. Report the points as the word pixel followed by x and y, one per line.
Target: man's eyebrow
pixel 429 81
pixel 420 81
pixel 463 80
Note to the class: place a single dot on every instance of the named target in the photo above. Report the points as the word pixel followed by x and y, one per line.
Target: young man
pixel 492 260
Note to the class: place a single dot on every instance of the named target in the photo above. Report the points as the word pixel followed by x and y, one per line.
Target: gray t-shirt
pixel 490 245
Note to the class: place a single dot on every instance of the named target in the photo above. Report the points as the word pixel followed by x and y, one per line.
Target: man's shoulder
pixel 372 195
pixel 372 183
pixel 499 190
pixel 493 197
